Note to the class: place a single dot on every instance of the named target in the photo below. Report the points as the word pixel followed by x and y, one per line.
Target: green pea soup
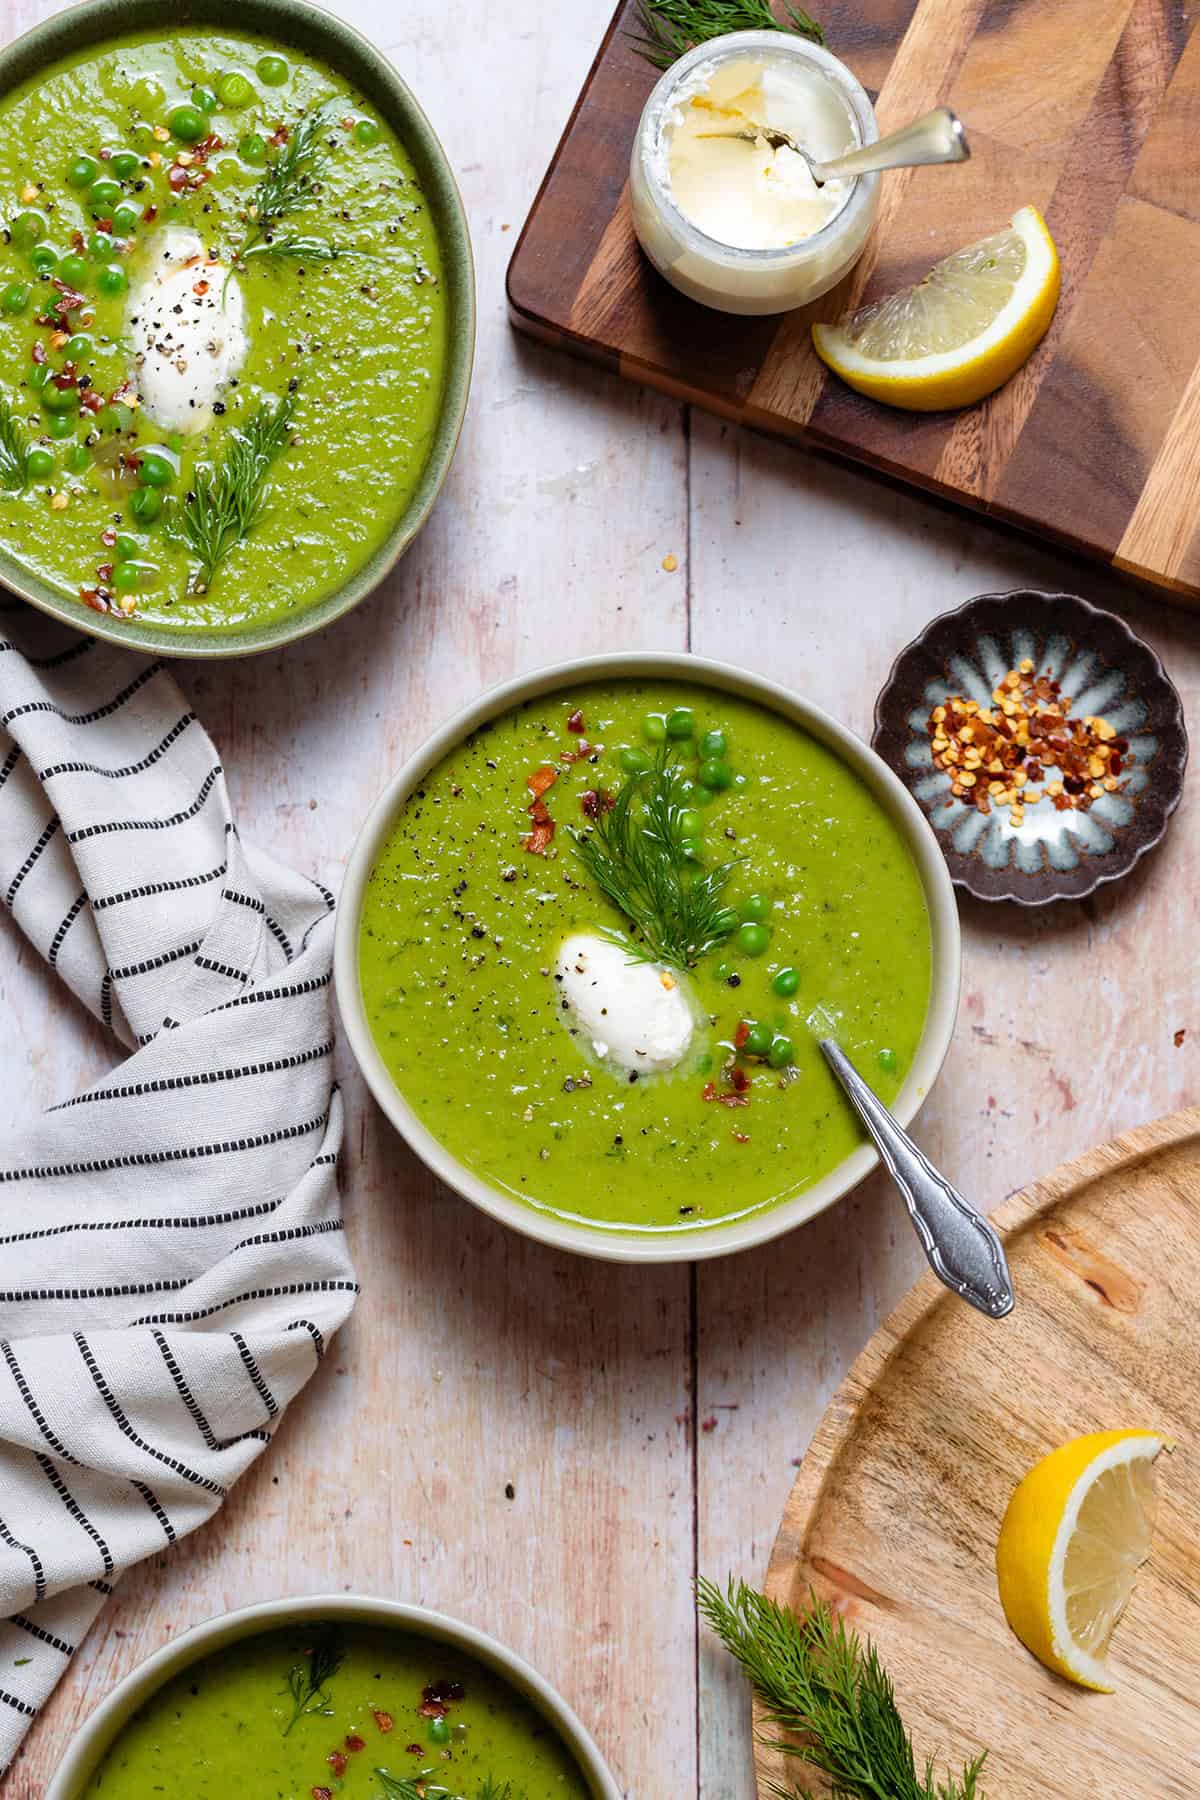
pixel 302 197
pixel 396 1710
pixel 469 901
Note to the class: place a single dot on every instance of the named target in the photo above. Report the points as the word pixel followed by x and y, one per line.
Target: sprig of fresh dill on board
pixel 307 1681
pixel 226 501
pixel 634 853
pixel 14 448
pixel 818 1681
pixel 670 28
pixel 286 183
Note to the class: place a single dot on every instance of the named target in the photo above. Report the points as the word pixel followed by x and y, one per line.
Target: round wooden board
pixel 895 1512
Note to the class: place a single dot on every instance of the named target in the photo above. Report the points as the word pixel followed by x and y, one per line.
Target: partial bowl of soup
pixel 236 321
pixel 334 1695
pixel 591 934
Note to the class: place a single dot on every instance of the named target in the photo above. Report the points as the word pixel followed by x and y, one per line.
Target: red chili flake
pixel 741 1034
pixel 384 1720
pixel 354 1742
pixel 710 1090
pixel 415 1749
pixel 594 801
pixel 104 571
pixel 103 224
pixel 150 213
pixel 740 1080
pixel 278 137
pixel 177 177
pixel 207 145
pixel 432 1709
pixel 445 1693
pixel 78 240
pixel 108 536
pixel 90 401
pixel 322 1793
pixel 197 177
pixel 585 750
pixel 734 1099
pixel 63 381
pixel 538 841
pixel 739 1137
pixel 575 722
pixel 337 1762
pixel 39 353
pixel 541 780
pixel 91 598
pixel 1179 1037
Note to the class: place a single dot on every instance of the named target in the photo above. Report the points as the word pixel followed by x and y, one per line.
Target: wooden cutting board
pixel 1089 109
pixel 896 1509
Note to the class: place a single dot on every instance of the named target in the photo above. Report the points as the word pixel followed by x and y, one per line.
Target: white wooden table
pixel 648 1421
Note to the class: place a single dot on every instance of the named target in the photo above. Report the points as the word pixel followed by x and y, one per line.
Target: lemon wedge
pixel 958 334
pixel 1076 1532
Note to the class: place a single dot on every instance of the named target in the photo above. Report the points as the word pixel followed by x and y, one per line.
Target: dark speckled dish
pixel 1106 670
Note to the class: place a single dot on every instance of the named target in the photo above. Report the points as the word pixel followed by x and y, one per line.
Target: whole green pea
pixel 654 728
pixel 78 348
pixel 888 1061
pixel 145 504
pixel 39 463
pixel 752 940
pixel 15 297
pixel 689 824
pixel 713 743
pixel 781 1053
pixel 125 164
pixel 60 399
pixel 758 1040
pixel 439 1731
pixel 100 246
pixel 28 228
pixel 39 375
pixel 204 100
pixel 756 908
pixel 126 547
pixel 234 90
pixel 78 458
pixel 724 922
pixel 112 279
pixel 681 723
pixel 73 270
pixel 253 148
pixel 104 194
pixel 155 470
pixel 631 761
pixel 188 124
pixel 125 577
pixel 786 981
pixel 366 132
pixel 126 218
pixel 271 70
pixel 43 258
pixel 82 172
pixel 61 425
pixel 715 773
pixel 691 849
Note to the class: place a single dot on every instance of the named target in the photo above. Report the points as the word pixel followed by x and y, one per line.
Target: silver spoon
pixel 963 1249
pixel 937 138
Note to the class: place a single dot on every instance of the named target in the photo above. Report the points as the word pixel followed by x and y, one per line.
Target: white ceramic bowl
pixel 103 1726
pixel 714 1240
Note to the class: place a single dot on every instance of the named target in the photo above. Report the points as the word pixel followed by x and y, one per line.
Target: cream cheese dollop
pixel 635 1014
pixel 188 331
pixel 749 195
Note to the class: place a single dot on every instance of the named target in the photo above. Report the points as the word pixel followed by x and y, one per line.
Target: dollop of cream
pixel 747 194
pixel 188 331
pixel 636 1015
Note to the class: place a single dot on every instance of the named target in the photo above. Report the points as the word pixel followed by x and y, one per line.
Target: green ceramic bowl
pixel 88 1747
pixel 306 28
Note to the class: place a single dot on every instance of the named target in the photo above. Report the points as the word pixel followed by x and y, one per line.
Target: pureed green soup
pixel 222 329
pixel 359 1713
pixel 509 1050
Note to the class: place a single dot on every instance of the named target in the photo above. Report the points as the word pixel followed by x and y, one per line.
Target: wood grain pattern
pixel 1086 109
pixel 895 1513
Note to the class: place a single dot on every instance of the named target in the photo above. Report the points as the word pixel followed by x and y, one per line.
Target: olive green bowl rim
pixel 617 1245
pixel 100 1730
pixel 293 24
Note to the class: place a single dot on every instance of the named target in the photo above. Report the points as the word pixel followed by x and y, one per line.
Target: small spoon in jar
pixel 938 137
pixel 963 1249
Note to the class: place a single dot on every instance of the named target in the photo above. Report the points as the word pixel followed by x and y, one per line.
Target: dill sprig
pixel 670 28
pixel 307 1681
pixel 420 1787
pixel 14 448
pixel 301 249
pixel 634 854
pixel 286 183
pixel 226 502
pixel 817 1680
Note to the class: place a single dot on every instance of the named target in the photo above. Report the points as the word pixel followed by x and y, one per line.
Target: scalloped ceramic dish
pixel 1105 670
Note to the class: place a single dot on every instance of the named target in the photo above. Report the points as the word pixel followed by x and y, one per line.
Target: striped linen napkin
pixel 172 1259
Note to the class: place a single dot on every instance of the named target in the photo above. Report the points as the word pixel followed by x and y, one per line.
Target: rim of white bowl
pixel 101 1729
pixel 620 1244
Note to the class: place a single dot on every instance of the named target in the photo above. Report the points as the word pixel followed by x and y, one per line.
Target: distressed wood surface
pixel 1086 109
pixel 1105 1257
pixel 649 1421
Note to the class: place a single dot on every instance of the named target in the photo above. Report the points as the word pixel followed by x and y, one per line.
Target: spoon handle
pixel 963 1249
pixel 937 138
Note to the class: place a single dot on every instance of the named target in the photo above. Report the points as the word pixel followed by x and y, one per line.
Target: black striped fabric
pixel 172 1256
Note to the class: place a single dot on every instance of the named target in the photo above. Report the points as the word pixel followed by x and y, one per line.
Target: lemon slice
pixel 958 334
pixel 1076 1532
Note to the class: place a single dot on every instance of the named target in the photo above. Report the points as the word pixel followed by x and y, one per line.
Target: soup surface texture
pixel 222 329
pixel 467 909
pixel 246 1722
